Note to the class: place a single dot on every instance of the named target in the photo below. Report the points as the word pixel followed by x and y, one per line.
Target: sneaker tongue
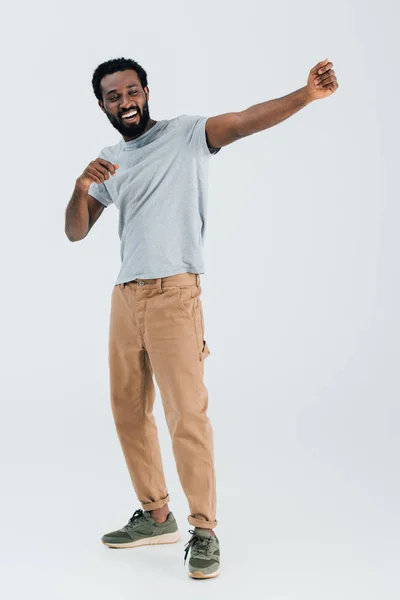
pixel 202 532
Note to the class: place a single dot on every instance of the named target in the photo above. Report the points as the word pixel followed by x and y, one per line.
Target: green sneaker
pixel 142 530
pixel 204 557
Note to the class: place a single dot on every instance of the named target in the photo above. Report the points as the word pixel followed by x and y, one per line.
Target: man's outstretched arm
pixel 227 128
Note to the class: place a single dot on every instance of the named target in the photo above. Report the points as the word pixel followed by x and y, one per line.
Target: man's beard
pixel 134 129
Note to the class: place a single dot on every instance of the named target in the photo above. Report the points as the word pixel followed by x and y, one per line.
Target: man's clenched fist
pixel 97 171
pixel 322 81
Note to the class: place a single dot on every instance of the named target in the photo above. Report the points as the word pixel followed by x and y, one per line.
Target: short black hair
pixel 113 66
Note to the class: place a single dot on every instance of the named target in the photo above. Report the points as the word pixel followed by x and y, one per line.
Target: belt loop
pixel 197 280
pixel 159 286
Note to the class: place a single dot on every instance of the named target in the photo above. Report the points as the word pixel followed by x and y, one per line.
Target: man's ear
pixel 147 92
pixel 101 106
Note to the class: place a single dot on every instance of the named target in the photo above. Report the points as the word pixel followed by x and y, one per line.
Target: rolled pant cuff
pixel 202 523
pixel 157 504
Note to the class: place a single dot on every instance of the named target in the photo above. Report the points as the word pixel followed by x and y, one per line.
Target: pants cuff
pixel 156 504
pixel 202 523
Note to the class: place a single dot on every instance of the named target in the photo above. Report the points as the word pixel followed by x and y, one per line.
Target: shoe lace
pixel 199 544
pixel 137 515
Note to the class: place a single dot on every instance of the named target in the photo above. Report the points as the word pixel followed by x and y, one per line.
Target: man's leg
pixel 174 337
pixel 132 399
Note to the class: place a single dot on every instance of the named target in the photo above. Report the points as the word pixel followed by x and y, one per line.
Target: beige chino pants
pixel 157 328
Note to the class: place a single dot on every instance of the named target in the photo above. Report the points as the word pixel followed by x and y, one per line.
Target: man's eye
pixel 133 93
pixel 113 98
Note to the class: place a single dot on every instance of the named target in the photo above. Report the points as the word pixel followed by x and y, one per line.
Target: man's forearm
pixel 270 113
pixel 77 214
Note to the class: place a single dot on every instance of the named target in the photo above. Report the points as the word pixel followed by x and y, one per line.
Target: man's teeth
pixel 131 113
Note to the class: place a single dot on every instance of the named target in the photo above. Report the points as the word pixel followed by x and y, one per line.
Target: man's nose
pixel 127 103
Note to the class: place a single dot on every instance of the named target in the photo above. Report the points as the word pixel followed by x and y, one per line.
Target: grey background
pixel 300 298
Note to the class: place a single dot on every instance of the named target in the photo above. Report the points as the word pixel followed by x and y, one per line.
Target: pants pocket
pixel 187 297
pixel 190 301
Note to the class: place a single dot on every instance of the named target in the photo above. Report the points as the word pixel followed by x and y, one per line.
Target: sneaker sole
pixel 200 575
pixel 165 538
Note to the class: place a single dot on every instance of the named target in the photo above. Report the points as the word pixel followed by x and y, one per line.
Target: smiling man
pixel 156 176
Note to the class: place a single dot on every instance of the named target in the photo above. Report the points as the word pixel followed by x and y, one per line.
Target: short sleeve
pixel 194 130
pixel 100 192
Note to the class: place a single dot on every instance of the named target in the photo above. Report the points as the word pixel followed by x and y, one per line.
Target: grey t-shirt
pixel 160 190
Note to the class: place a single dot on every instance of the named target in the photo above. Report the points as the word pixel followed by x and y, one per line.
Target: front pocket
pixel 189 301
pixel 186 300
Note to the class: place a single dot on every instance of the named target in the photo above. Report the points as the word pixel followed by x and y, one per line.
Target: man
pixel 157 178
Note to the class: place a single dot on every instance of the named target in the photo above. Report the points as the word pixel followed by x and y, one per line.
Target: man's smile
pixel 130 115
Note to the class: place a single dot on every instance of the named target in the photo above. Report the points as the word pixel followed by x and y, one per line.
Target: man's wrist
pixel 81 186
pixel 308 98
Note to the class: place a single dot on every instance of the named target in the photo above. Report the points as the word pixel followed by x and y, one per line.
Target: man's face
pixel 122 94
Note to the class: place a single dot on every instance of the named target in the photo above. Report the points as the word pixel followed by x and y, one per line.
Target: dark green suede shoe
pixel 142 530
pixel 204 558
